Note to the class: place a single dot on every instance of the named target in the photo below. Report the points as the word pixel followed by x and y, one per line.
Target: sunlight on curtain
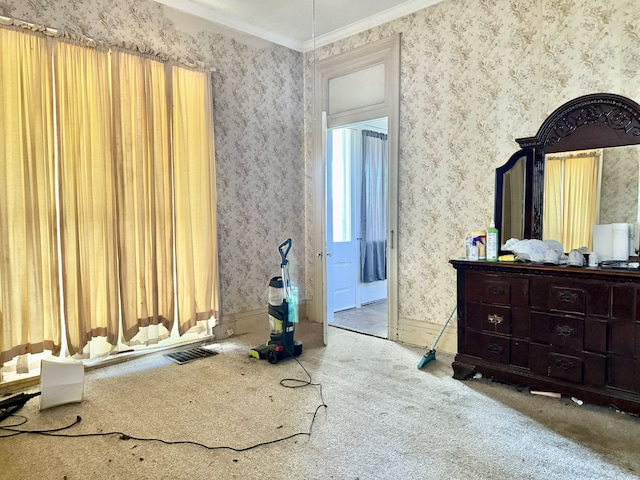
pixel 29 302
pixel 145 238
pixel 86 149
pixel 87 195
pixel 572 197
pixel 194 198
pixel 581 189
pixel 552 209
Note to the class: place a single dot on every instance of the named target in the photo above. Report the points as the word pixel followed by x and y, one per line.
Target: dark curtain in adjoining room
pixel 375 158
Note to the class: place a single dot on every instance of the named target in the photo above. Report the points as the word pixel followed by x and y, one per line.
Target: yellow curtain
pixel 194 197
pixel 87 195
pixel 552 216
pixel 571 197
pixel 104 210
pixel 29 295
pixel 580 193
pixel 145 239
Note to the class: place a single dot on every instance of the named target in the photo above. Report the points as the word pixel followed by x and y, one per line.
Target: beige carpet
pixel 385 419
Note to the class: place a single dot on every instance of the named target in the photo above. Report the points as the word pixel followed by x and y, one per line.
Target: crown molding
pixel 367 23
pixel 234 23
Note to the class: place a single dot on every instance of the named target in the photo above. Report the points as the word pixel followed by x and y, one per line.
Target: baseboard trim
pixel 417 332
pixel 249 321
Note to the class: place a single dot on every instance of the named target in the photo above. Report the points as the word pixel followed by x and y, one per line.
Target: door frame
pixel 382 52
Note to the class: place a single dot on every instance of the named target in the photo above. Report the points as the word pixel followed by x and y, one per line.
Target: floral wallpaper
pixel 258 121
pixel 475 75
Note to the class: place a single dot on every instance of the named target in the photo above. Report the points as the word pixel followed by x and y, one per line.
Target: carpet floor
pixel 229 416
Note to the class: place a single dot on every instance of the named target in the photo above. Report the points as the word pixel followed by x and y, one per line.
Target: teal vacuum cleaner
pixel 431 353
pixel 282 315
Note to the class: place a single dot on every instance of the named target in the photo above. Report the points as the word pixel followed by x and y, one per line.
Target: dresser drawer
pixel 567 296
pixel 489 318
pixel 563 331
pixel 571 300
pixel 575 332
pixel 494 348
pixel 497 289
pixel 497 348
pixel 498 319
pixel 573 366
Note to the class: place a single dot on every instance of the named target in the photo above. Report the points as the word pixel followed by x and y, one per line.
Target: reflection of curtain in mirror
pixel 571 197
pixel 374 206
pixel 513 202
pixel 552 208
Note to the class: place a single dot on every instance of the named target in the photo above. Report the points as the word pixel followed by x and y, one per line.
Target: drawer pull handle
pixel 495 289
pixel 565 331
pixel 495 319
pixel 568 297
pixel 495 348
pixel 564 364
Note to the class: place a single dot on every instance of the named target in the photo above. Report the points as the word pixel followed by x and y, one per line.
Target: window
pixel 107 220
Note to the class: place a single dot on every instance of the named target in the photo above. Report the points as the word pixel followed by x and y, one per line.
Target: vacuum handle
pixel 284 253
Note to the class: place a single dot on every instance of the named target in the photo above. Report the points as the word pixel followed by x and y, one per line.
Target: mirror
pixel 510 180
pixel 620 180
pixel 589 187
pixel 597 121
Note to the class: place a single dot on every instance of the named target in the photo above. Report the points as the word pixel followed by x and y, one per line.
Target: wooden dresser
pixel 574 331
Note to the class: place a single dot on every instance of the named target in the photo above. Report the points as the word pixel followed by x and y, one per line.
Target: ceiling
pixel 299 24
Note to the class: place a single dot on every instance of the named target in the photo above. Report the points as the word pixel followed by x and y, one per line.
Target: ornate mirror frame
pixel 597 120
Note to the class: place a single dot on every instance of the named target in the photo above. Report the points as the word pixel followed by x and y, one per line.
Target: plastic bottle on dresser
pixel 492 243
pixel 468 246
pixel 479 241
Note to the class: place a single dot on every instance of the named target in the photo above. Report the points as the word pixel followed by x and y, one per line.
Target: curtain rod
pixel 92 43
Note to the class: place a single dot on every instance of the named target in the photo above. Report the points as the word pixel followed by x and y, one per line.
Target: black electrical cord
pixel 286 382
pixel 17 431
pixel 124 436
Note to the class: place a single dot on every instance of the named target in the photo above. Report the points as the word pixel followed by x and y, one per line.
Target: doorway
pixel 356 227
pixel 355 87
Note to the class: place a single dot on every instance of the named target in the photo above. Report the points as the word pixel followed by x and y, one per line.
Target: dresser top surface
pixel 631 275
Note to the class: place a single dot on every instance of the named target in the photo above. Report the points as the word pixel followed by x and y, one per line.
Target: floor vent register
pixel 186 356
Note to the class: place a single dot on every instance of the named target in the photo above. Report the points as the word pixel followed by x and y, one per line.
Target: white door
pixel 342 244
